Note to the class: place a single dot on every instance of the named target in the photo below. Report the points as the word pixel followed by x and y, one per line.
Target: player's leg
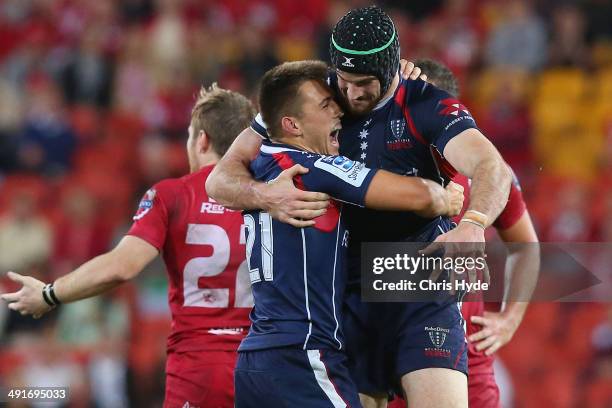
pixel 291 377
pixel 435 387
pixel 200 378
pixel 431 354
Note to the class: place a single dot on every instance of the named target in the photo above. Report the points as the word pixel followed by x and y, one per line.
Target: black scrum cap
pixel 364 41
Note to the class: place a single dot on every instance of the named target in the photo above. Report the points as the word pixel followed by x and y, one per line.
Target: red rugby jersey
pixel 203 247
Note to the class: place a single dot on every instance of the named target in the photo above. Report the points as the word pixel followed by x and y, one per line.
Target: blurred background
pixel 95 97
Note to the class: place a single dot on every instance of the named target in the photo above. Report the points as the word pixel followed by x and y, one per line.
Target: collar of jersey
pixel 272 147
pixel 386 100
pixel 383 102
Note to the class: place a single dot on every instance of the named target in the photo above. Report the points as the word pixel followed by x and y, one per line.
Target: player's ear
pixel 291 126
pixel 202 142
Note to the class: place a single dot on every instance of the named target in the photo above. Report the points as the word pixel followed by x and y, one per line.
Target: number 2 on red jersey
pixel 211 266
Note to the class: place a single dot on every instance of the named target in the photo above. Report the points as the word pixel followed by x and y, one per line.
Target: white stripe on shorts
pixel 325 383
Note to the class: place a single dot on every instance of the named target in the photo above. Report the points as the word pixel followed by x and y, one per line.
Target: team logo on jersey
pixel 399 140
pixel 145 204
pixel 397 127
pixel 347 62
pixel 437 335
pixel 453 107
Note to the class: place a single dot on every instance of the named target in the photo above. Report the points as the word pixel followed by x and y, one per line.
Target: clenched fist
pixel 454 192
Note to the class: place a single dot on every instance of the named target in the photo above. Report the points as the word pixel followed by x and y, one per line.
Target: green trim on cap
pixel 368 52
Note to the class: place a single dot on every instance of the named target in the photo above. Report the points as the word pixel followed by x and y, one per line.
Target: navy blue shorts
pixel 369 361
pixel 291 377
pixel 385 341
pixel 427 335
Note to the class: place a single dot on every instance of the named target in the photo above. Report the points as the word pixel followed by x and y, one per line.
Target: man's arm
pixel 522 269
pixel 231 182
pixel 232 185
pixel 522 264
pixel 94 277
pixel 474 156
pixel 389 191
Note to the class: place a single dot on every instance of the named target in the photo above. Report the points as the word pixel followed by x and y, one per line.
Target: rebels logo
pixel 437 335
pixel 453 107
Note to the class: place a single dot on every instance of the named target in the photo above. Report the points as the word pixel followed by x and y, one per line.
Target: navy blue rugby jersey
pixel 405 134
pixel 298 275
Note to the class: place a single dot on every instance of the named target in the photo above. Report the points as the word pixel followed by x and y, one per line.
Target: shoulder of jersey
pixel 418 90
pixel 413 93
pixel 172 186
pixel 165 189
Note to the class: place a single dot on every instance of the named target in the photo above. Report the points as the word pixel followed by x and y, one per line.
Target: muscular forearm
pixel 106 271
pixel 231 182
pixel 490 187
pixel 392 192
pixel 522 269
pixel 94 277
pixel 233 186
pixel 522 265
pixel 521 279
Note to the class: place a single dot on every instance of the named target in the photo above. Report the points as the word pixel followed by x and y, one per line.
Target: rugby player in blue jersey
pixel 411 128
pixel 294 352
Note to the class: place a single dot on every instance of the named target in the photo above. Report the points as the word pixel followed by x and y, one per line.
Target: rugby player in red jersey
pixel 487 331
pixel 203 247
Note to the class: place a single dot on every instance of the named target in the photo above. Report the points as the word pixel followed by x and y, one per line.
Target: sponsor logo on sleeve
pixel 453 108
pixel 350 171
pixel 145 204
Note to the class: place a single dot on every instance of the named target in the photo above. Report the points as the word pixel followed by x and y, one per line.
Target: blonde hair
pixel 222 114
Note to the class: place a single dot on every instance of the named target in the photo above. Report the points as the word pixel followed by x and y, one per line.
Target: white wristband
pixel 472 222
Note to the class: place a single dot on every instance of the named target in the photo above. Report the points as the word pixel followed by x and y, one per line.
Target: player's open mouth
pixel 333 137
